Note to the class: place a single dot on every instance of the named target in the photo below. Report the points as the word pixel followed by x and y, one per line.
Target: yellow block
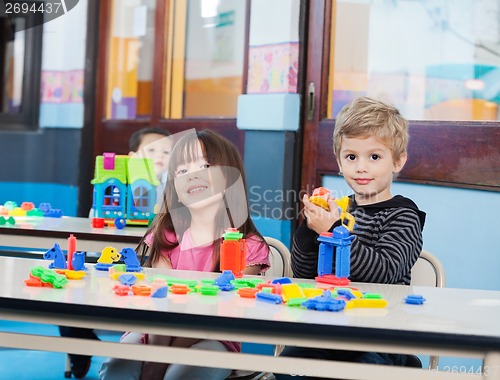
pixel 312 292
pixel 291 291
pixel 72 274
pixel 138 275
pixel 366 303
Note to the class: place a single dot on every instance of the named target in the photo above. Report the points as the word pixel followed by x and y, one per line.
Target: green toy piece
pixel 58 281
pixel 295 302
pixel 246 282
pixel 172 280
pixel 208 290
pixel 34 212
pixel 232 235
pixel 373 296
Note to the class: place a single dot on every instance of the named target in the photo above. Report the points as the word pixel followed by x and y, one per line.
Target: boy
pixel 154 143
pixel 370 145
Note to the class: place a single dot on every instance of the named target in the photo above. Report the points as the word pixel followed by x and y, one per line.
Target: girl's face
pixel 197 183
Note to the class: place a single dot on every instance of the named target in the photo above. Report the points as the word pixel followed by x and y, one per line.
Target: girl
pixel 205 195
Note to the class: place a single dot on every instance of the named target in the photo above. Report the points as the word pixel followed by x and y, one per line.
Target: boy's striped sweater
pixel 387 244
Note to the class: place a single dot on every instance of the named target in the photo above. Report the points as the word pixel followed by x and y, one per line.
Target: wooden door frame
pixel 122 129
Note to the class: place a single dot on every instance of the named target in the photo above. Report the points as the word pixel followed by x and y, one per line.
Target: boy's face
pixel 368 168
pixel 158 148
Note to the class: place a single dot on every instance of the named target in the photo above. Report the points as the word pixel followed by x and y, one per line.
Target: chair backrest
pixel 279 256
pixel 428 271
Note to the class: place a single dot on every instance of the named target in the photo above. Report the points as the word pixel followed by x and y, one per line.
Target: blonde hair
pixel 365 117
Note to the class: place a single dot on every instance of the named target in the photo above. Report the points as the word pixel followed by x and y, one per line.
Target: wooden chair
pixel 428 271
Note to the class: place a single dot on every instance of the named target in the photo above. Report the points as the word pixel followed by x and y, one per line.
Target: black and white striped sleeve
pixel 389 258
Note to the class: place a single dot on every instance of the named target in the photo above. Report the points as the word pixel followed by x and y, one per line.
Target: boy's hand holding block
pixel 320 197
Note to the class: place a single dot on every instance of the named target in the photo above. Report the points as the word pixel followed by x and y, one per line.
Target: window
pixel 141 198
pixel 112 196
pixel 436 60
pixel 20 65
pixel 176 64
pixel 203 60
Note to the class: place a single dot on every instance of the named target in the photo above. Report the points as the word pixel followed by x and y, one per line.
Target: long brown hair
pixel 217 151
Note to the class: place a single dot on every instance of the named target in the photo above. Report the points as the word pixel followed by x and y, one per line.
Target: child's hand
pixel 319 219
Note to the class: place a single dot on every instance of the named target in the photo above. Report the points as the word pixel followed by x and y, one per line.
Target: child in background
pixel 154 143
pixel 370 144
pixel 205 195
pixel 148 142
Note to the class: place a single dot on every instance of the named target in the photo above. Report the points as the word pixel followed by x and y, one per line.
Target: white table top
pixel 448 318
pixel 33 232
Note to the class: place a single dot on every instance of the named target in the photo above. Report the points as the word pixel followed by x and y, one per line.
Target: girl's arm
pixel 257 259
pixel 163 263
pixel 254 269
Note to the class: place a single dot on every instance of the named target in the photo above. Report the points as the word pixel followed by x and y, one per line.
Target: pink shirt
pixel 187 257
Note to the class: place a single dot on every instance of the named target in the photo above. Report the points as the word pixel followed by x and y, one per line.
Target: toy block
pixel 325 302
pixel 127 279
pixel 247 292
pixel 332 280
pixel 121 290
pixel 159 288
pixel 208 290
pixel 27 206
pixel 78 261
pixel 46 275
pixel 320 197
pixel 141 290
pixel 57 256
pixel 179 289
pixel 173 280
pixel 366 303
pixel 233 252
pixel 295 302
pixel 269 297
pixel 98 222
pixel 312 292
pixel 129 256
pixel 109 255
pixel 291 291
pixel 281 280
pixel 414 299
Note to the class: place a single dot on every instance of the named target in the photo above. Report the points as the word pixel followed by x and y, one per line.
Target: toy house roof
pixel 119 170
pixel 142 168
pixel 124 169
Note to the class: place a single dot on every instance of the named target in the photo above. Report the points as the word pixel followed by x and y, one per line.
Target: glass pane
pixel 12 64
pixel 433 59
pixel 206 57
pixel 130 61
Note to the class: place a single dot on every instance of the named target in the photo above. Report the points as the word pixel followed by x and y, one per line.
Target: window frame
pixel 28 118
pixel 461 154
pixel 120 130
